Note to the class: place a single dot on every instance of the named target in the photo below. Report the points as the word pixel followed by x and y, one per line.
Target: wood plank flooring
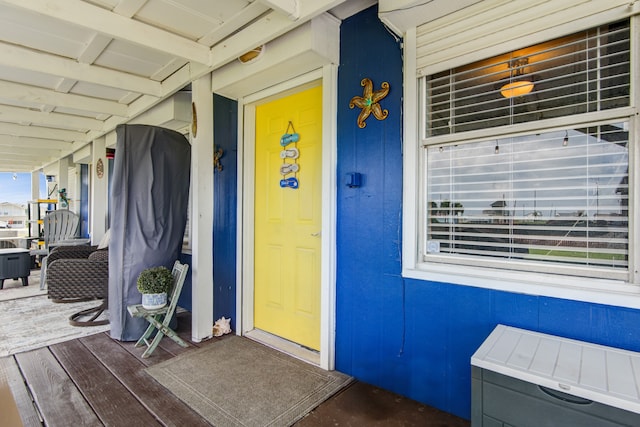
pixel 96 381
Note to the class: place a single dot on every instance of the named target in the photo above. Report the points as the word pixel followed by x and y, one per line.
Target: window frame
pixel 625 292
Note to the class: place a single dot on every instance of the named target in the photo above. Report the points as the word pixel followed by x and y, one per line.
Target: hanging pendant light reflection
pixel 519 83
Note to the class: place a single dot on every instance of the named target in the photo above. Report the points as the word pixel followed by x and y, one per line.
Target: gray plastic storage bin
pixel 528 379
pixel 14 263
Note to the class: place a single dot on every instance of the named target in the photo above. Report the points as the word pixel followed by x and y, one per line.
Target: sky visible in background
pixel 16 187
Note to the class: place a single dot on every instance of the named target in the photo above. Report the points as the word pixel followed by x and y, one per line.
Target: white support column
pixel 35 185
pixel 35 195
pixel 99 194
pixel 202 212
pixel 63 176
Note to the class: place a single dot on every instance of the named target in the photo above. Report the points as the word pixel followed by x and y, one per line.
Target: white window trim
pixel 600 291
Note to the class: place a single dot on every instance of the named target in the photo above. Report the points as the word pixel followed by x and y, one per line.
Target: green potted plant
pixel 154 283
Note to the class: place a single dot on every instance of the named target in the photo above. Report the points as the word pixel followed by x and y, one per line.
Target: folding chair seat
pixel 159 319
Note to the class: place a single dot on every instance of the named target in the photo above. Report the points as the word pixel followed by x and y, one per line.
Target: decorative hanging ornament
pixel 100 168
pixel 194 120
pixel 369 102
pixel 289 137
pixel 290 152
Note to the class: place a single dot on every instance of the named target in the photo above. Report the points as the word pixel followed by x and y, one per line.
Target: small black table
pixel 14 263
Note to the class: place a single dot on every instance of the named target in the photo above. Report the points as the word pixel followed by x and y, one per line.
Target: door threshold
pixel 285 346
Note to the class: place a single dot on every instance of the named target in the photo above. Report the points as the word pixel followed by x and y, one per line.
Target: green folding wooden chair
pixel 159 318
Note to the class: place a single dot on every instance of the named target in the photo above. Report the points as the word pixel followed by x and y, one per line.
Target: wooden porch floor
pixel 96 381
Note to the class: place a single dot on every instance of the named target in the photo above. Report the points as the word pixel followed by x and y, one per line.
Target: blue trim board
pixel 410 336
pixel 84 200
pixel 225 128
pixel 224 215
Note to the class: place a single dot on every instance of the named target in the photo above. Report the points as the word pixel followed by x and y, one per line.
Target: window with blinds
pixel 558 196
pixel 548 200
pixel 580 73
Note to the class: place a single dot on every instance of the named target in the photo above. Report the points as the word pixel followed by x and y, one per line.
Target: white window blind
pixel 558 197
pixel 584 72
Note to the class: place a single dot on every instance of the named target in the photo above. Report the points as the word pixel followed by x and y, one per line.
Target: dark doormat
pixel 238 382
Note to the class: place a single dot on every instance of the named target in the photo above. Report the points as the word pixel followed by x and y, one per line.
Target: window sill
pixel 598 291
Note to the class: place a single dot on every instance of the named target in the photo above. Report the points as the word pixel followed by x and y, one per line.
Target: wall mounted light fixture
pixel 519 83
pixel 252 55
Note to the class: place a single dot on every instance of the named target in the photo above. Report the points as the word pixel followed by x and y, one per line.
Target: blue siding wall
pixel 410 336
pixel 84 201
pixel 225 126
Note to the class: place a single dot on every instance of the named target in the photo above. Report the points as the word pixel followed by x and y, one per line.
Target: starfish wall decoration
pixel 369 102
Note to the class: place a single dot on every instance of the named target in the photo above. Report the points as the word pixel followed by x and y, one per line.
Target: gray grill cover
pixel 149 197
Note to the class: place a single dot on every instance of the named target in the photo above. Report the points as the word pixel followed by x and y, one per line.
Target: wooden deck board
pixel 59 400
pixel 109 398
pixel 65 403
pixel 16 405
pixel 130 372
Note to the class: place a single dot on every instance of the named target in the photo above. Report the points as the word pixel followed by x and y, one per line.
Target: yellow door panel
pixel 287 220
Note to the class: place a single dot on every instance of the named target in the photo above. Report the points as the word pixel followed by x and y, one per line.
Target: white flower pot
pixel 154 301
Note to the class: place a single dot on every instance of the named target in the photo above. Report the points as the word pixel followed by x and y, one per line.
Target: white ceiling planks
pixel 72 70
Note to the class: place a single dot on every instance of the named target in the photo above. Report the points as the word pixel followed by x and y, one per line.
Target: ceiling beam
pixel 20 115
pixel 119 27
pixel 265 29
pixel 290 8
pixel 129 8
pixel 25 156
pixel 94 48
pixel 19 165
pixel 11 129
pixel 27 59
pixel 35 95
pixel 36 143
pixel 239 20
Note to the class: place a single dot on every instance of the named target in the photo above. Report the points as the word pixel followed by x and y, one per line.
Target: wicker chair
pixel 79 273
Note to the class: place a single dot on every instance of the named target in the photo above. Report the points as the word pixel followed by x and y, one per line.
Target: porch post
pixel 99 192
pixel 202 210
pixel 35 184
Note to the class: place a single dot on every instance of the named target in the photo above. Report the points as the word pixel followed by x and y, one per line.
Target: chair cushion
pixel 99 255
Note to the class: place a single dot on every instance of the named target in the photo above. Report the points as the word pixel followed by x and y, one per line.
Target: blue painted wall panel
pixel 369 286
pixel 84 201
pixel 410 336
pixel 225 128
pixel 225 125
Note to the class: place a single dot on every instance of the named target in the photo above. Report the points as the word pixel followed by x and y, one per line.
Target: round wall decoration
pixel 100 168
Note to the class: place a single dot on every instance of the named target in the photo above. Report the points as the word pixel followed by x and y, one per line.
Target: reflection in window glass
pixel 558 197
pixel 580 73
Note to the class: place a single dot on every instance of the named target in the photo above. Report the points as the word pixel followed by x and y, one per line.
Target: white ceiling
pixel 71 70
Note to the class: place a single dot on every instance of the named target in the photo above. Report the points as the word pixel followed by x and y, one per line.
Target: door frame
pixel 327 76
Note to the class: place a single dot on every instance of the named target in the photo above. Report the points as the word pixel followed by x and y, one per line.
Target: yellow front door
pixel 288 219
